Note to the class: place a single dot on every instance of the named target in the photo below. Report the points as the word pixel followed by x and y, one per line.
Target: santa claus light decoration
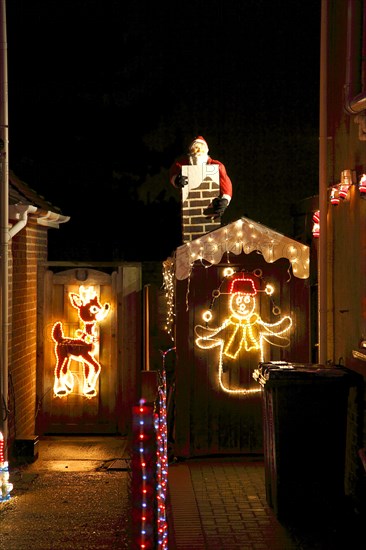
pixel 334 196
pixel 243 330
pixel 316 224
pixel 362 185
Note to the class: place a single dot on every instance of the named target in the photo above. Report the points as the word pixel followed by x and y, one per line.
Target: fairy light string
pixel 150 468
pixel 246 236
pixel 243 236
pixel 142 466
pixel 161 428
pixel 168 286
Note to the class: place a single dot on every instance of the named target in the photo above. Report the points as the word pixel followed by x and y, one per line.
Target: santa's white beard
pixel 198 160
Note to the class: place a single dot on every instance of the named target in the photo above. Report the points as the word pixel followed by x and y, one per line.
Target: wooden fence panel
pixel 75 412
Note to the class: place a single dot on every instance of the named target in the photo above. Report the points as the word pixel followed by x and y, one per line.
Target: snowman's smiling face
pixel 242 305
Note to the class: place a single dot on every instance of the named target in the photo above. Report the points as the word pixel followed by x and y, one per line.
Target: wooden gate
pixel 74 402
pixel 212 413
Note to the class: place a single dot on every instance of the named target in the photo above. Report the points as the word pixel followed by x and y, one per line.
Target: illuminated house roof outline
pixel 243 235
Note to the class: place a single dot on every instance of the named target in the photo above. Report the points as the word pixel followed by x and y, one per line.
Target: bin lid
pixel 282 371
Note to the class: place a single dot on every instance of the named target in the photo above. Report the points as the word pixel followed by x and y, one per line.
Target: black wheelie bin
pixel 304 436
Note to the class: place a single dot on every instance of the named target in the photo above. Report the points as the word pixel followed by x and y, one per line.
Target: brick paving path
pixel 220 504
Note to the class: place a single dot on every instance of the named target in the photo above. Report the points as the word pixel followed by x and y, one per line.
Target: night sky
pixel 105 94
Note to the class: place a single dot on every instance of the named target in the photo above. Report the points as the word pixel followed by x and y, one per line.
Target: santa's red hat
pixel 199 139
pixel 244 286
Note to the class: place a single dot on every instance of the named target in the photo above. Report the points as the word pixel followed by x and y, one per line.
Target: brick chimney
pixel 203 186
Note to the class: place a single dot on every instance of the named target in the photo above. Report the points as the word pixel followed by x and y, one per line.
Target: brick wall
pixel 28 249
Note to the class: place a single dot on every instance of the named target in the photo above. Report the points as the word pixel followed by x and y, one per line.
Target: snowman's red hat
pixel 243 285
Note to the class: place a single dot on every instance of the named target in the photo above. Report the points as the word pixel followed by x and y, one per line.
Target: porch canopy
pixel 243 235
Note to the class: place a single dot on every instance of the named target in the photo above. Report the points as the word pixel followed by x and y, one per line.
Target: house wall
pixel 348 273
pixel 346 222
pixel 28 249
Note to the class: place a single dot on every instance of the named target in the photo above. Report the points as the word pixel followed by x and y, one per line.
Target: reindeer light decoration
pixel 82 348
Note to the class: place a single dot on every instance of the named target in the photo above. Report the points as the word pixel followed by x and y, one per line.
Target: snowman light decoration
pixel 244 329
